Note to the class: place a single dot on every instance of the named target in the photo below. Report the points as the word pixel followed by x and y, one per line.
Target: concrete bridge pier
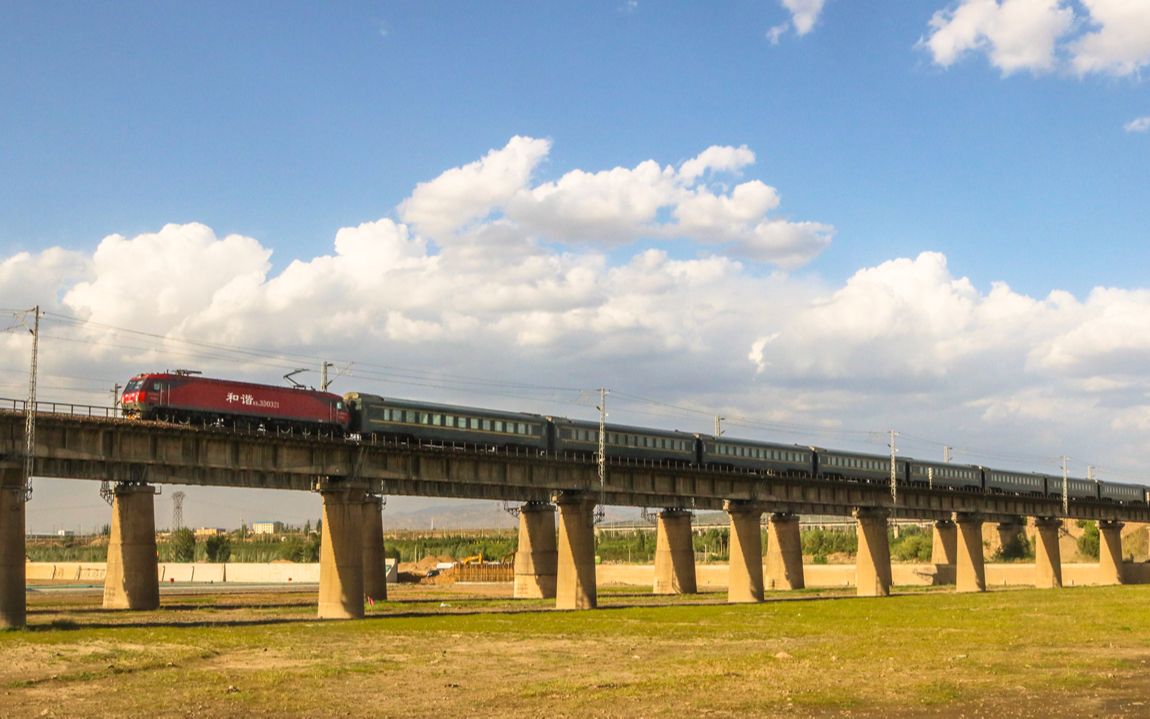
pixel 13 601
pixel 1110 551
pixel 944 551
pixel 872 569
pixel 674 554
pixel 374 560
pixel 970 568
pixel 745 583
pixel 132 580
pixel 341 587
pixel 537 558
pixel 784 552
pixel 575 586
pixel 1047 555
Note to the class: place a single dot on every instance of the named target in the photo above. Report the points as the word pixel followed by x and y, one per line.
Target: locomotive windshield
pixel 133 385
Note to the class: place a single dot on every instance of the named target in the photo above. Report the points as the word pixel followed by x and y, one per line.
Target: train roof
pixel 930 463
pixel 435 407
pixel 197 377
pixel 649 431
pixel 860 455
pixel 1014 472
pixel 751 442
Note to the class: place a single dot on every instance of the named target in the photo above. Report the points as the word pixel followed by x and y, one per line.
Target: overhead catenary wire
pixel 314 359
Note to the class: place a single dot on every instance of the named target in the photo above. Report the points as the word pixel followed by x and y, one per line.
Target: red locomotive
pixel 183 396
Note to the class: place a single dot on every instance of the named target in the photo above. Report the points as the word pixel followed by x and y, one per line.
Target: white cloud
pixel 609 208
pixel 716 159
pixel 804 15
pixel 52 269
pixel 1119 42
pixel 171 273
pixel 1084 36
pixel 1140 124
pixel 910 334
pixel 1015 34
pixel 464 194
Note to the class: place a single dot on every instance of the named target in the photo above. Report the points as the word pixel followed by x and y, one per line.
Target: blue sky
pixel 790 211
pixel 285 121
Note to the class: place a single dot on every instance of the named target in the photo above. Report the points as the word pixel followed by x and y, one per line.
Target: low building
pixel 265 527
pixel 204 532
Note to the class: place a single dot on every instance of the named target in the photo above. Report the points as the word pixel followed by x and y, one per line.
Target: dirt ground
pixel 470 650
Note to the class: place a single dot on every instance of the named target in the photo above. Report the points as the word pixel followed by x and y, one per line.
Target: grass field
pixel 471 651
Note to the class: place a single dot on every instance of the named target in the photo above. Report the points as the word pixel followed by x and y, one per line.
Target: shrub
pixel 912 547
pixel 182 545
pixel 1088 542
pixel 218 549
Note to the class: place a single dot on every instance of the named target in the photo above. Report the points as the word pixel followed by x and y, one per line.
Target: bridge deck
pixel 120 450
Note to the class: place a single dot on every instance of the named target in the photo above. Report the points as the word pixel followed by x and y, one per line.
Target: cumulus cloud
pixel 53 268
pixel 464 194
pixel 716 159
pixel 910 331
pixel 1140 124
pixel 1119 40
pixel 1088 36
pixel 174 271
pixel 1015 34
pixel 494 206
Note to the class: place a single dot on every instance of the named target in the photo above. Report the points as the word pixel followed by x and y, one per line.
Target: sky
pixel 819 219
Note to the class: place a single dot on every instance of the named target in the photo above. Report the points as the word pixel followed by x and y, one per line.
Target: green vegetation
pixel 67 550
pixel 633 546
pixel 820 543
pixel 636 546
pixel 913 544
pixel 180 547
pixel 1088 542
pixel 217 549
pixel 494 545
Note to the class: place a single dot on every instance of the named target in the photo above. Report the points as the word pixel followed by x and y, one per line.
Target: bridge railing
pixel 69 408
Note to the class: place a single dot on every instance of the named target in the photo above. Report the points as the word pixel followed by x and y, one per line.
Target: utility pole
pixel 947 453
pixel 1065 486
pixel 1090 473
pixel 30 409
pixel 115 398
pixel 719 426
pixel 602 458
pixel 893 468
pixel 326 379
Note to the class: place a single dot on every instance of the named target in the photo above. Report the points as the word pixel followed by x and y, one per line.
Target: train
pixel 185 396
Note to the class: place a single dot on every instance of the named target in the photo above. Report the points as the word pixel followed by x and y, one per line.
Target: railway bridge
pixel 552 562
